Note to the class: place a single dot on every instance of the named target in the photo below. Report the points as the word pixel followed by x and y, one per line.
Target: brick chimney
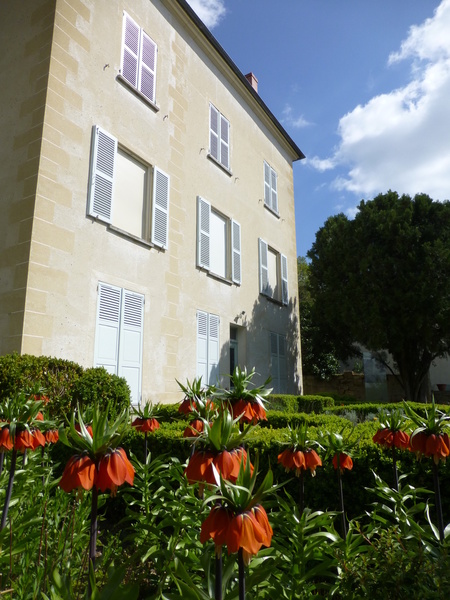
pixel 252 81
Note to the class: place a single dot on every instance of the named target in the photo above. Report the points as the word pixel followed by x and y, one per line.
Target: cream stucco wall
pixel 69 253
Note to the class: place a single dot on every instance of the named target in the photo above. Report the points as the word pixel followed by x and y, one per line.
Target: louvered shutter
pixel 213 349
pixel 147 67
pixel 274 187
pixel 203 232
pixel 160 209
pixel 130 346
pixel 284 280
pixel 224 142
pixel 274 361
pixel 106 352
pixel 236 252
pixel 267 185
pixel 130 50
pixel 202 346
pixel 282 363
pixel 263 267
pixel 101 188
pixel 214 117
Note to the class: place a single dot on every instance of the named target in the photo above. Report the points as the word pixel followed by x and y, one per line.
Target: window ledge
pixel 273 212
pixel 136 92
pixel 273 300
pixel 130 236
pixel 219 164
pixel 217 277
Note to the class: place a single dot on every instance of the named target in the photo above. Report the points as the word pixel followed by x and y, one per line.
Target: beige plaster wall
pixel 25 42
pixel 70 253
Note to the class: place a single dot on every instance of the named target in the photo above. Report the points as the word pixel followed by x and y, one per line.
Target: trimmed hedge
pixel 306 404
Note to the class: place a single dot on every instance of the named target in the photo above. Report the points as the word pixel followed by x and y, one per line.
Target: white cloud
pixel 400 140
pixel 291 120
pixel 209 11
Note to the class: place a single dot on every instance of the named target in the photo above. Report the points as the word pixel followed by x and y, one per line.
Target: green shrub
pixel 55 375
pixel 97 386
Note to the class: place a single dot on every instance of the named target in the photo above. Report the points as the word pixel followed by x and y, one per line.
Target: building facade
pixel 147 199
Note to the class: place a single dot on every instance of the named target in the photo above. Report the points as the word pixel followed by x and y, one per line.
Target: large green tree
pixel 382 280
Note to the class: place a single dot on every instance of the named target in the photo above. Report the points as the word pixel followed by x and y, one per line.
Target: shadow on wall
pixel 267 339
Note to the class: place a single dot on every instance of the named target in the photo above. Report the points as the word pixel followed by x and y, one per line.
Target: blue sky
pixel 362 86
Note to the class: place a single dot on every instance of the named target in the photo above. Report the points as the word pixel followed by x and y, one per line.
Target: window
pixel 139 54
pixel 218 242
pixel 219 137
pixel 273 281
pixel 278 363
pixel 270 188
pixel 208 347
pixel 127 193
pixel 119 334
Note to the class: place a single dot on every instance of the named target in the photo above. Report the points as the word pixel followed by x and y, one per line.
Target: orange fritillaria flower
pixel 80 473
pixel 438 447
pixel 194 429
pixel 387 438
pixel 114 469
pixel 145 425
pixel 6 443
pixel 51 436
pixel 28 440
pixel 345 461
pixel 417 443
pixel 187 406
pixel 247 533
pixel 216 526
pixel 298 460
pixel 198 465
pixel 250 412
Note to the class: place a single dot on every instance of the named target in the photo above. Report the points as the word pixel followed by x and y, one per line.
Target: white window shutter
pixel 203 232
pixel 106 352
pixel 267 185
pixel 274 186
pixel 147 67
pixel 130 50
pixel 236 252
pixel 263 267
pixel 284 280
pixel 131 336
pixel 160 209
pixel 214 125
pixel 213 349
pixel 202 346
pixel 224 142
pixel 101 187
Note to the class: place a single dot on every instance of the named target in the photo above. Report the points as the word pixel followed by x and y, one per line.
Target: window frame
pixel 139 53
pixel 219 138
pixel 101 197
pixel 233 254
pixel 281 275
pixel 270 178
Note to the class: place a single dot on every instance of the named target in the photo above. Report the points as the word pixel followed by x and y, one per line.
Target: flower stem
pixel 302 491
pixel 218 571
pixel 145 447
pixel 341 502
pixel 12 470
pixel 241 574
pixel 437 494
pixel 394 466
pixel 93 533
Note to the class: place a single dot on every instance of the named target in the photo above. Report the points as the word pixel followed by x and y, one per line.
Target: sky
pixel 361 86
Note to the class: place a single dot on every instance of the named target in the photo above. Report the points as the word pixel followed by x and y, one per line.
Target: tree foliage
pixel 318 352
pixel 382 280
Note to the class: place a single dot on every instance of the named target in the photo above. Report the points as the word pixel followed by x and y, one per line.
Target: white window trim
pixel 282 273
pixel 138 60
pixel 101 188
pixel 233 243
